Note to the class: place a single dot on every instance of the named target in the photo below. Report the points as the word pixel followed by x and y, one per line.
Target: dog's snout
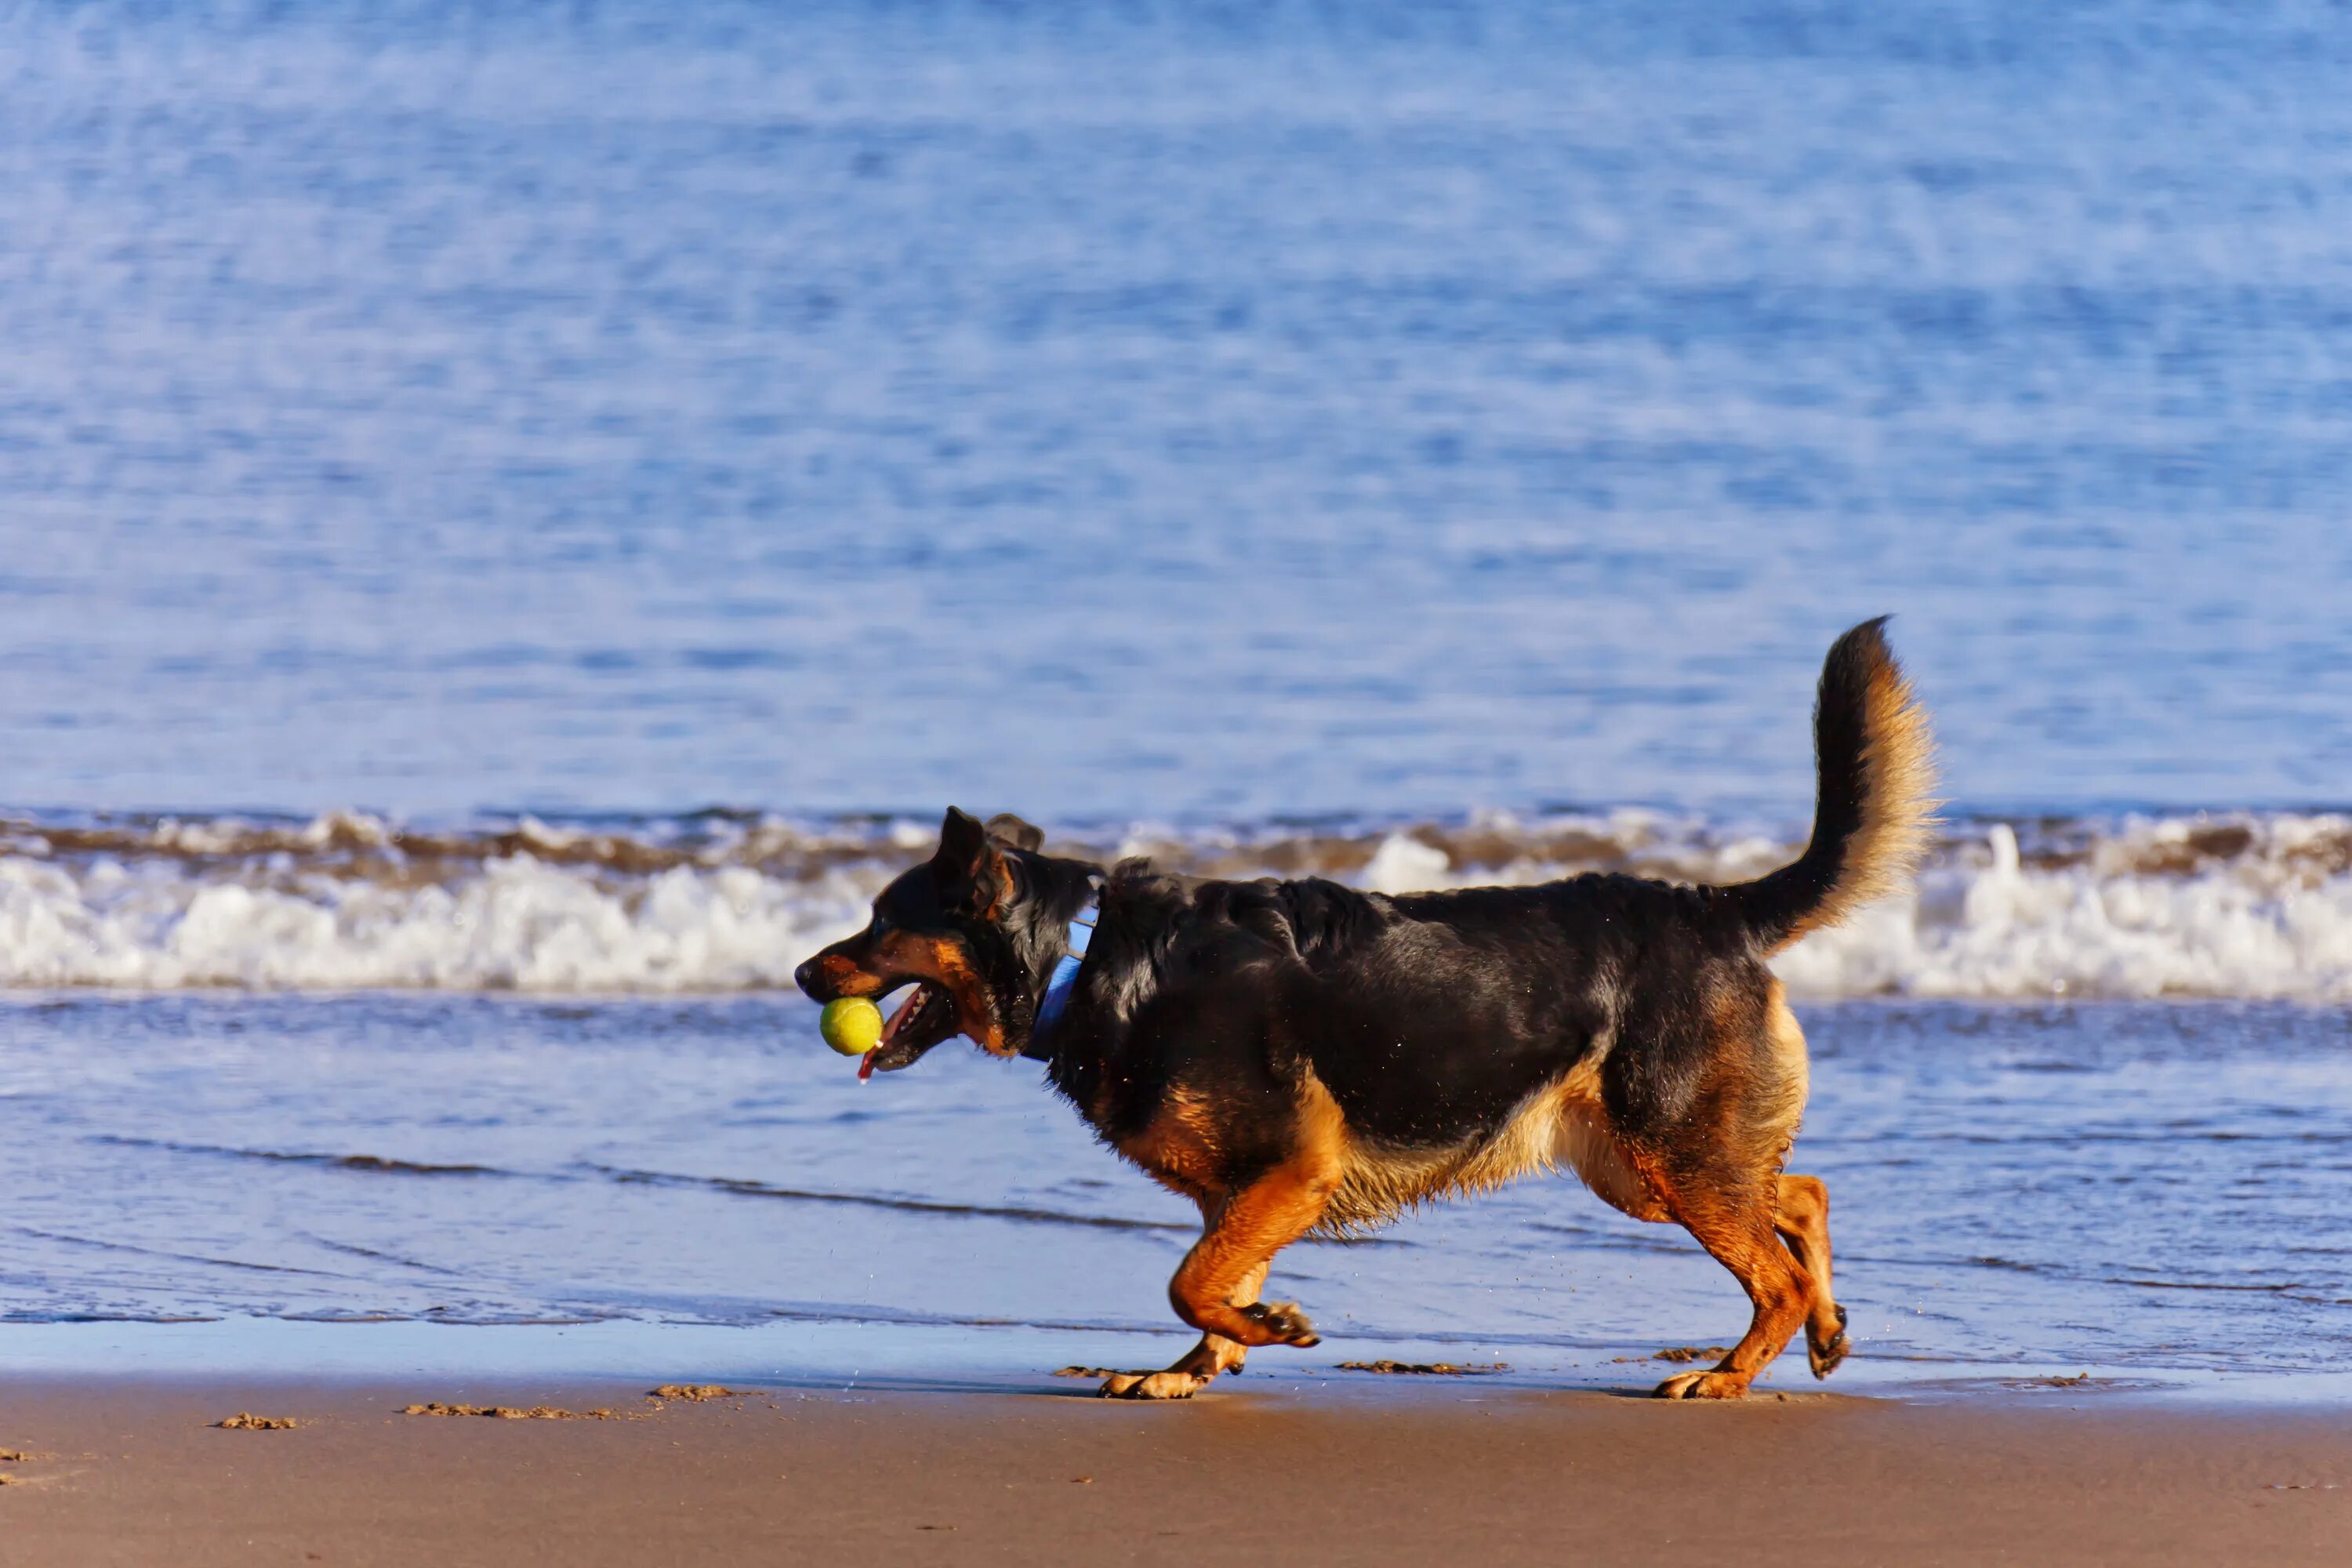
pixel 805 978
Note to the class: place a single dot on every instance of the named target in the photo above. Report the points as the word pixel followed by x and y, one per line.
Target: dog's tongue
pixel 917 995
pixel 890 1027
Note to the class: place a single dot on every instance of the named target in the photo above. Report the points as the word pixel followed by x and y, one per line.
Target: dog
pixel 1299 1057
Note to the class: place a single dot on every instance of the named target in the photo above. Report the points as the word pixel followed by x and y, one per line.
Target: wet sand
pixel 119 1471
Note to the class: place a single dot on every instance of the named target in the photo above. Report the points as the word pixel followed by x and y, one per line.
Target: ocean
pixel 518 518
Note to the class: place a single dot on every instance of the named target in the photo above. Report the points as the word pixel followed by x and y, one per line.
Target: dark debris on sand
pixel 509 1412
pixel 2080 1380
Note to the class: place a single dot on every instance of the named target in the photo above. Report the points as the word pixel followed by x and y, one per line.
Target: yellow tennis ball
pixel 851 1024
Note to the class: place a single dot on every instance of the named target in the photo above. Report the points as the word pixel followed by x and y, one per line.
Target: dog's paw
pixel 1282 1323
pixel 1826 1355
pixel 1153 1385
pixel 1704 1385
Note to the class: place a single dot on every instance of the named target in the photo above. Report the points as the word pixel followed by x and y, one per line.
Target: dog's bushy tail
pixel 1876 755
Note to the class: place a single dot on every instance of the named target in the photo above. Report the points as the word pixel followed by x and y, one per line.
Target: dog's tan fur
pixel 1560 1124
pixel 1899 806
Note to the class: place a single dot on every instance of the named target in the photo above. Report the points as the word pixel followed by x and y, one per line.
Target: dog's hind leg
pixel 1199 1366
pixel 1738 1228
pixel 1719 1174
pixel 1801 1210
pixel 1801 1215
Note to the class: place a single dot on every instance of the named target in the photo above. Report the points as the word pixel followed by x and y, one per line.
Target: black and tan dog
pixel 1299 1057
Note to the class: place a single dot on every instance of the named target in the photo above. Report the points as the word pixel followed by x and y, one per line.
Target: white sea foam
pixel 2129 921
pixel 517 923
pixel 2243 906
pixel 2250 905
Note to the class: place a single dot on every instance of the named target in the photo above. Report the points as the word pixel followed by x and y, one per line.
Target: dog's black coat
pixel 1429 1017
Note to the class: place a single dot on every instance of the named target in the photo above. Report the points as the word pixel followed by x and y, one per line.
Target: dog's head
pixel 974 930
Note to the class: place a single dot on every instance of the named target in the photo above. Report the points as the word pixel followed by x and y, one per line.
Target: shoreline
pixel 118 1468
pixel 847 1354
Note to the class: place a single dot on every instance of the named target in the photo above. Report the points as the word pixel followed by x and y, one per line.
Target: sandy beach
pixel 115 1471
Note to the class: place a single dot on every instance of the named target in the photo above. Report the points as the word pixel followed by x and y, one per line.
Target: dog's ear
pixel 1007 828
pixel 967 868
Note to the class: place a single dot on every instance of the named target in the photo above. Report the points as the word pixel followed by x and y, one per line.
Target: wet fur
pixel 1299 1056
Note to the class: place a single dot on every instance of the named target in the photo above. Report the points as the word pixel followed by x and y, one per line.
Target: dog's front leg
pixel 1216 1287
pixel 1199 1366
pixel 1253 1225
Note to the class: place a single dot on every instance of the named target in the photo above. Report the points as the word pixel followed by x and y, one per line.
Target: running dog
pixel 1298 1057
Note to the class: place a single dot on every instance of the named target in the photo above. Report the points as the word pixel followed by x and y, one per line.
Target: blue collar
pixel 1064 980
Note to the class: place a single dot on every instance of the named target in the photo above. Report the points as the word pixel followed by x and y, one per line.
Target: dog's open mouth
pixel 926 1017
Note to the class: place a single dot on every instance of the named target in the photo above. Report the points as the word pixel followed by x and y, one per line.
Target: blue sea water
pixel 1296 427
pixel 2150 1193
pixel 1181 411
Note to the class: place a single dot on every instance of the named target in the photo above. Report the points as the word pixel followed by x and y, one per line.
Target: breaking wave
pixel 2218 904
